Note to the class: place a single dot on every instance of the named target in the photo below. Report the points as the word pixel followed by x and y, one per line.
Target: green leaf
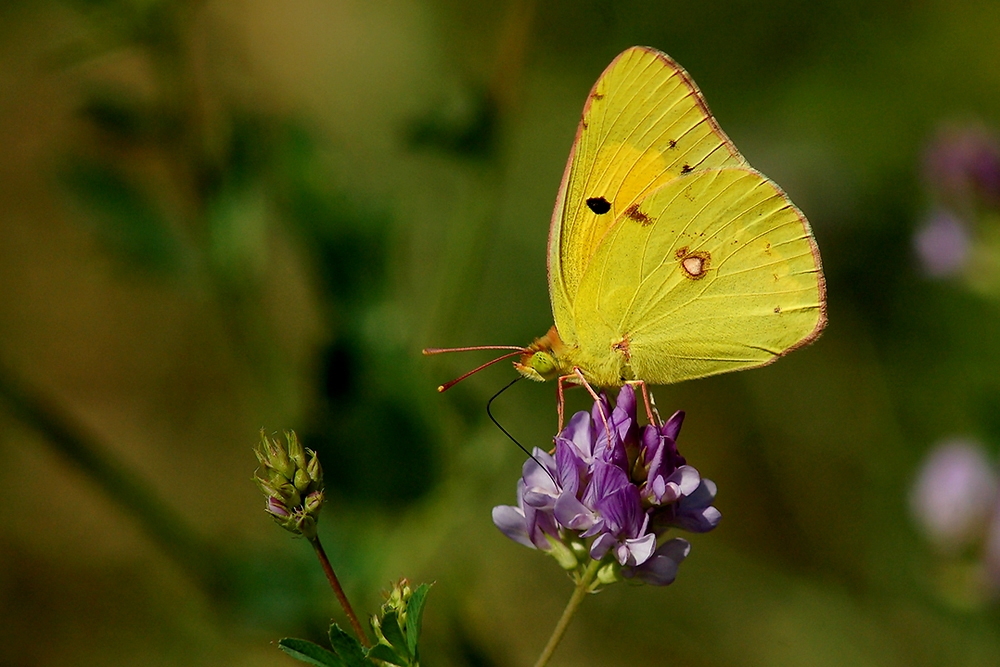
pixel 386 654
pixel 124 215
pixel 393 634
pixel 348 648
pixel 306 651
pixel 414 616
pixel 468 129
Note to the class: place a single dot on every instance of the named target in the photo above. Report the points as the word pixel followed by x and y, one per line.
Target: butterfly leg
pixel 562 401
pixel 651 412
pixel 578 376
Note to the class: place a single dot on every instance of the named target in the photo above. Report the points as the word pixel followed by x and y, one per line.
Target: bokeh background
pixel 222 216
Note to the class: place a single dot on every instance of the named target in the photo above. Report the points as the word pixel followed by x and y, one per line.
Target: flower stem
pixel 582 587
pixel 339 592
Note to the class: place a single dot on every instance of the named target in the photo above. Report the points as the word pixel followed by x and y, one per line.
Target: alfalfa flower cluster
pixel 610 493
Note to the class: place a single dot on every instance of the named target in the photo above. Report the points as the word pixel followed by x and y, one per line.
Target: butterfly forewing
pixel 718 272
pixel 644 124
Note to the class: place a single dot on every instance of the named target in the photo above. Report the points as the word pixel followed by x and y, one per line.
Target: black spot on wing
pixel 599 205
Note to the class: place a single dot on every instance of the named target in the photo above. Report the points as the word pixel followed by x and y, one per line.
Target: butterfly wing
pixel 644 124
pixel 714 271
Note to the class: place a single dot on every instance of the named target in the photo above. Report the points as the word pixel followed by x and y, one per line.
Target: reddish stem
pixel 339 592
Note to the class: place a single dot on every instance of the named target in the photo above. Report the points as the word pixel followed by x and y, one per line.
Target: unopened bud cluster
pixel 393 608
pixel 292 480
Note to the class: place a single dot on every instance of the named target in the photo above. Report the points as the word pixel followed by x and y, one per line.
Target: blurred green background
pixel 222 216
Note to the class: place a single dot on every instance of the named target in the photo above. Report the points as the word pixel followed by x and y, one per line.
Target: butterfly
pixel 669 258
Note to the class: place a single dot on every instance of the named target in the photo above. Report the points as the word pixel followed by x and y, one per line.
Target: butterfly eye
pixel 544 364
pixel 599 205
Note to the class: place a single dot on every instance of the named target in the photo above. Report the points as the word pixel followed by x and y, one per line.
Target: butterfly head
pixel 541 360
pixel 538 366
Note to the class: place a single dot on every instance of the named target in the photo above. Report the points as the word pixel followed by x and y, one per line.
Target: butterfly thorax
pixel 549 357
pixel 545 359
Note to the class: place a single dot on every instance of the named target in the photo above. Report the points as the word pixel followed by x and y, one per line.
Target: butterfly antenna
pixel 448 385
pixel 489 404
pixel 442 350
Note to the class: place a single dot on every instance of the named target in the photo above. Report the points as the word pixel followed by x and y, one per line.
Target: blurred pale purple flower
pixel 943 244
pixel 955 494
pixel 962 163
pixel 611 492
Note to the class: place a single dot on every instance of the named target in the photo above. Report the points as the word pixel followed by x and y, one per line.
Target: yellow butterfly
pixel 670 258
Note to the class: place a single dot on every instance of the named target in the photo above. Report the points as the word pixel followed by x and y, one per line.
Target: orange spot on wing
pixel 633 213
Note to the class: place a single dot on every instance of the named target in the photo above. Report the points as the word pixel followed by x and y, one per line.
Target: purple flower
pixel 623 528
pixel 956 501
pixel 943 244
pixel 963 163
pixel 611 491
pixel 527 524
pixel 954 494
pixel 661 569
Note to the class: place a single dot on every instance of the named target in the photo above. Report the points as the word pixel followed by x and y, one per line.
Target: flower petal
pixel 510 521
pixel 601 546
pixel 572 514
pixel 672 428
pixel 700 521
pixel 636 551
pixel 661 568
pixel 688 480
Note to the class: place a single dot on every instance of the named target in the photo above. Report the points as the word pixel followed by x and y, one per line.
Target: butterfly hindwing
pixel 714 271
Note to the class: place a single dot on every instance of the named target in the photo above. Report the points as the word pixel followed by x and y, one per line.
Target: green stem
pixel 94 457
pixel 582 587
pixel 339 592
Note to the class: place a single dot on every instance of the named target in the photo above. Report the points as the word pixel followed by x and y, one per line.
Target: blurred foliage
pixel 467 128
pixel 220 216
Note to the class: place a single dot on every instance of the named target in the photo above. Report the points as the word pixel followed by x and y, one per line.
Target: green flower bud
pixel 296 452
pixel 609 573
pixel 267 488
pixel 289 495
pixel 563 554
pixel 397 600
pixel 302 480
pixel 274 458
pixel 314 501
pixel 314 469
pixel 393 611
